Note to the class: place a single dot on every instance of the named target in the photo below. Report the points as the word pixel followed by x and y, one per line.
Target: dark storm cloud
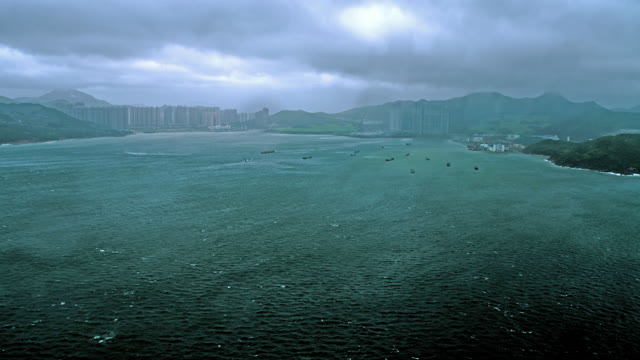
pixel 348 52
pixel 499 45
pixel 123 28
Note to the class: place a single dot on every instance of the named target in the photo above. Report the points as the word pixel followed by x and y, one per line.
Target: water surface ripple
pixel 172 246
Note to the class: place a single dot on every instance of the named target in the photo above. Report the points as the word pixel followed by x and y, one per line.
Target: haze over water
pixel 196 245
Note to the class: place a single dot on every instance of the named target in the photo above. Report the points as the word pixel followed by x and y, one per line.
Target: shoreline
pixel 547 159
pixel 132 133
pixel 27 142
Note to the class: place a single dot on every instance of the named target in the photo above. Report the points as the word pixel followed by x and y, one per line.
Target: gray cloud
pixel 316 55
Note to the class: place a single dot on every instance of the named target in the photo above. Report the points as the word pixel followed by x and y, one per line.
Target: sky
pixel 320 55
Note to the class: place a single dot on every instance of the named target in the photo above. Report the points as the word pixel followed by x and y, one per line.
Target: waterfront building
pixel 145 118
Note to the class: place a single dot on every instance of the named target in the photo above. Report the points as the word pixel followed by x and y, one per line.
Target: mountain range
pixel 29 122
pixel 65 97
pixel 5 100
pixel 489 112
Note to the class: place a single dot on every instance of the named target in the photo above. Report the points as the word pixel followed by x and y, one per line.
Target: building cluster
pixel 147 118
pixel 419 119
pixel 500 143
pixel 492 147
pixel 495 147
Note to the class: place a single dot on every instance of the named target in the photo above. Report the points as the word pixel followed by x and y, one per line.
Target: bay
pixel 197 245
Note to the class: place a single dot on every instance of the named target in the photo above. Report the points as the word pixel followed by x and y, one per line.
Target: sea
pixel 199 246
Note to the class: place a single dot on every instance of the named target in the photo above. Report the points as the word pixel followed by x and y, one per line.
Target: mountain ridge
pixel 5 100
pixel 29 122
pixel 484 112
pixel 66 97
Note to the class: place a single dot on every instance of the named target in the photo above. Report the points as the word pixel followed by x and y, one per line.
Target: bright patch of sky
pixel 373 21
pixel 16 62
pixel 320 55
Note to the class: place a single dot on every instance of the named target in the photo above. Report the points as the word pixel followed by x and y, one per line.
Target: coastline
pixel 547 159
pixel 131 133
pixel 26 142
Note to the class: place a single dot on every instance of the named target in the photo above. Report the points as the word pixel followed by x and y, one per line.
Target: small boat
pixel 268 152
pixel 426 158
pixel 389 159
pixel 448 164
pixel 408 144
pixel 407 154
pixel 475 168
pixel 413 171
pixel 306 157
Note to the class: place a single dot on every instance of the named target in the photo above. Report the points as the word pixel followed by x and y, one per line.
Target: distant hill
pixel 491 112
pixel 635 109
pixel 481 109
pixel 302 122
pixel 66 97
pixel 593 124
pixel 485 113
pixel 5 100
pixel 619 154
pixel 26 122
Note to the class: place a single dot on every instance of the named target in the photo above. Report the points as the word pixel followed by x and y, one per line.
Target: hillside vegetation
pixel 494 113
pixel 486 112
pixel 27 122
pixel 5 100
pixel 302 122
pixel 619 154
pixel 65 97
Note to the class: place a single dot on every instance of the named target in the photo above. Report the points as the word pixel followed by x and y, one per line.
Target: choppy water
pixel 197 246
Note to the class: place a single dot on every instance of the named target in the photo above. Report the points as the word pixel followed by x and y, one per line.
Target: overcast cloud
pixel 320 55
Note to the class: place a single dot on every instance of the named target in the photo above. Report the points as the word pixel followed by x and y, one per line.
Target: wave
pixel 134 153
pixel 583 169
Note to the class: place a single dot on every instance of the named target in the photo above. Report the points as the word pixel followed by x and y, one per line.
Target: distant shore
pixel 25 142
pixel 546 158
pixel 131 133
pixel 619 154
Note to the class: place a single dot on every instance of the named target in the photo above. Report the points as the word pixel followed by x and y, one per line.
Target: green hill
pixel 5 100
pixel 493 113
pixel 302 122
pixel 65 97
pixel 549 147
pixel 27 122
pixel 592 124
pixel 619 154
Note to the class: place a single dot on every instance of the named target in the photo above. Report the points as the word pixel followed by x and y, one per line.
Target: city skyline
pixel 131 117
pixel 320 55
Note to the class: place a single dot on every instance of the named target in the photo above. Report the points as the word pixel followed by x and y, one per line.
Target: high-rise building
pixel 170 117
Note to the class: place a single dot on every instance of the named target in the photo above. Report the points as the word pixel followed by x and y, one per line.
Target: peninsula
pixel 618 154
